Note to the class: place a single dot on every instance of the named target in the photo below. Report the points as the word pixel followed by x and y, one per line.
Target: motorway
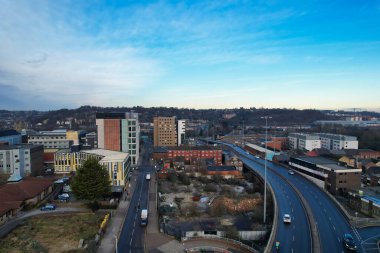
pixel 329 220
pixel 294 237
pixel 131 238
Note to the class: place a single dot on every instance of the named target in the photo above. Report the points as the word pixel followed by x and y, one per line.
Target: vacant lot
pixel 52 233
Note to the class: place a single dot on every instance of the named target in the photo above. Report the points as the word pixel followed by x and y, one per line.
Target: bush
pixel 184 179
pixel 210 188
pixel 93 205
pixel 203 180
pixel 172 177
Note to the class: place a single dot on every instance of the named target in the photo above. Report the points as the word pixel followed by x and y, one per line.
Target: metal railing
pixel 207 248
pixel 223 239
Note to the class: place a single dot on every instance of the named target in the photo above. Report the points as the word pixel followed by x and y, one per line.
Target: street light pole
pixel 265 168
pixel 117 251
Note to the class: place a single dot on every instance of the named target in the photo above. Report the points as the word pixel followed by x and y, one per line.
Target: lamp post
pixel 265 167
pixel 116 243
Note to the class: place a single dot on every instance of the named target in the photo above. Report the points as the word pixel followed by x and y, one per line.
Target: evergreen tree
pixel 91 181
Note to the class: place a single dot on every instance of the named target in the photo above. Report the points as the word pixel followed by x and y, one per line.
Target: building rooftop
pixel 19 146
pixel 194 148
pixel 322 161
pixel 57 132
pixel 108 155
pixel 4 133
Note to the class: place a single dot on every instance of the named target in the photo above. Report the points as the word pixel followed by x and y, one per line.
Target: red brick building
pixel 197 152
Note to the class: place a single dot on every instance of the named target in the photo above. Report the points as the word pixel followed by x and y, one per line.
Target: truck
pixel 144 217
pixel 147 177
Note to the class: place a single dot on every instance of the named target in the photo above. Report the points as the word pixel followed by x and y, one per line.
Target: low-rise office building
pixel 322 140
pixel 21 160
pixel 196 152
pixel 304 141
pixel 117 163
pixel 56 139
pixel 335 178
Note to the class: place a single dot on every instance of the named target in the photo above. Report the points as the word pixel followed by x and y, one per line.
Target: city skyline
pixel 196 54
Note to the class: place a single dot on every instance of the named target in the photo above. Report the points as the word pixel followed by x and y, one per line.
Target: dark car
pixel 349 242
pixel 48 207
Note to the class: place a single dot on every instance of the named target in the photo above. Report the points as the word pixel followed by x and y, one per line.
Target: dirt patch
pixel 53 233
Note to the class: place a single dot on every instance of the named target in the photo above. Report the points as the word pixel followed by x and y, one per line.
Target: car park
pixel 287 218
pixel 48 207
pixel 349 242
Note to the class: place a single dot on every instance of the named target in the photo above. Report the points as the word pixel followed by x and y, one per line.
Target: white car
pixel 287 218
pixel 291 172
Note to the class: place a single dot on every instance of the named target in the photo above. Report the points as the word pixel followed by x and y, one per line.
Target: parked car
pixel 48 207
pixel 287 218
pixel 349 242
pixel 64 197
pixel 291 172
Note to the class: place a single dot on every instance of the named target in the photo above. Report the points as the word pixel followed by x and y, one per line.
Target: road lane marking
pixel 130 242
pixel 333 227
pixel 294 238
pixel 338 239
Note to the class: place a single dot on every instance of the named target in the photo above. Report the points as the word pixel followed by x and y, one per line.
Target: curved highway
pixel 294 237
pixel 330 222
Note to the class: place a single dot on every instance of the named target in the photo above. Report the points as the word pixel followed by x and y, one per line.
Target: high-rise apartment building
pixel 119 132
pixel 181 130
pixel 164 132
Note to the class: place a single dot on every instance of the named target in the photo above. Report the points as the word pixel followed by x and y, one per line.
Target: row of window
pixel 46 137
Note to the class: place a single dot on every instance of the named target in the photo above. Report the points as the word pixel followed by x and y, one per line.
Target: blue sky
pixel 194 54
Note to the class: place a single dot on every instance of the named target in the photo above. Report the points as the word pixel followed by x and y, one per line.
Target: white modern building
pixel 337 141
pixel 304 141
pixel 181 131
pixel 322 140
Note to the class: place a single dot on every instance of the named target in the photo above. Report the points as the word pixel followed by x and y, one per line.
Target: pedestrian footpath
pixel 108 243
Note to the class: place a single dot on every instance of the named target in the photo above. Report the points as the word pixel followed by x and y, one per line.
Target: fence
pixel 223 239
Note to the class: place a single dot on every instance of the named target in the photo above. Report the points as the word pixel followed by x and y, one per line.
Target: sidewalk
pixel 107 244
pixel 153 238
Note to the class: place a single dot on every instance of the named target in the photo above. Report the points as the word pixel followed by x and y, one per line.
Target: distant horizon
pixel 376 110
pixel 190 54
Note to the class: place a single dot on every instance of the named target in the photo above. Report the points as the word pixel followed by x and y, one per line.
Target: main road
pixel 131 238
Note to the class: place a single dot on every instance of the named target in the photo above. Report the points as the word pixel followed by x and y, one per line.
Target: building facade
pixel 335 178
pixel 322 140
pixel 197 152
pixel 56 139
pixel 304 141
pixel 181 131
pixel 22 160
pixel 337 141
pixel 119 132
pixel 117 163
pixel 164 132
